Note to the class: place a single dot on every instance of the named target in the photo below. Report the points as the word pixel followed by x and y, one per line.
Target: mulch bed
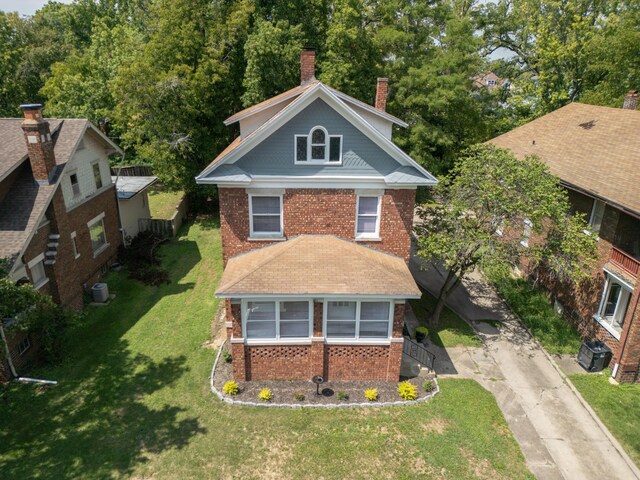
pixel 284 391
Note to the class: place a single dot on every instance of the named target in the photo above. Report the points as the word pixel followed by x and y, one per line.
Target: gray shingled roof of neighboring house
pixel 129 186
pixel 23 206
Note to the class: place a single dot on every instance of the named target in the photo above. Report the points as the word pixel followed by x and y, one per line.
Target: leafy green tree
pixel 272 52
pixel 479 214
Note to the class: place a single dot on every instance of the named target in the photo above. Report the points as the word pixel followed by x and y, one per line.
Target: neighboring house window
pixel 613 305
pixel 526 234
pixel 74 243
pixel 24 345
pixel 368 216
pixel 491 82
pixel 278 320
pixel 597 213
pixel 38 275
pixel 318 147
pixel 97 233
pixel 75 186
pixel 265 215
pixel 358 319
pixel 96 175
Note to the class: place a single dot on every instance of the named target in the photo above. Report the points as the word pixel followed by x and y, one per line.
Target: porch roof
pixel 317 265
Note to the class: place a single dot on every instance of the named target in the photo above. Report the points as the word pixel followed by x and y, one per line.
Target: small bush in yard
pixel 231 388
pixel 428 386
pixel 265 394
pixel 299 396
pixel 342 396
pixel 226 356
pixel 407 391
pixel 371 394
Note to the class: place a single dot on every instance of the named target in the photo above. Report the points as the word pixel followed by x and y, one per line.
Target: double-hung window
pixel 75 185
pixel 318 147
pixel 273 320
pixel 613 305
pixel 368 216
pixel 597 213
pixel 96 175
pixel 97 234
pixel 38 274
pixel 265 215
pixel 358 319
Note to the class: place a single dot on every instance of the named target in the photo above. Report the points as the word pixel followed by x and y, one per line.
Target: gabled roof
pixel 593 149
pixel 317 265
pixel 241 146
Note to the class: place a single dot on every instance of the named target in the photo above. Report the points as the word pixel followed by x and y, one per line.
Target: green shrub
pixel 428 386
pixel 231 388
pixel 371 394
pixel 226 356
pixel 342 396
pixel 407 391
pixel 298 396
pixel 265 395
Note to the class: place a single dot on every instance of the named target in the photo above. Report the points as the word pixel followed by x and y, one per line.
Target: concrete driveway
pixel 560 436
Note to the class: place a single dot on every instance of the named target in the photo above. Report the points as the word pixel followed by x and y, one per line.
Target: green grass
pixel 133 400
pixel 162 204
pixel 553 331
pixel 451 331
pixel 618 406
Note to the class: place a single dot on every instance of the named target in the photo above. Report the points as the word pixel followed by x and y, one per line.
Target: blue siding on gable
pixel 275 155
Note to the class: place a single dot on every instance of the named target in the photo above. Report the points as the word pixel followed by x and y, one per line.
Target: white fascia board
pixel 313 182
pixel 236 118
pixel 106 139
pixel 369 108
pixel 304 100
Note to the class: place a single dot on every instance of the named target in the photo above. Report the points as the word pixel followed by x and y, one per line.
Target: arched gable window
pixel 318 147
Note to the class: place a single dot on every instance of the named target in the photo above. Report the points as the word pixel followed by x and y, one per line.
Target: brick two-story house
pixel 316 211
pixel 59 225
pixel 596 153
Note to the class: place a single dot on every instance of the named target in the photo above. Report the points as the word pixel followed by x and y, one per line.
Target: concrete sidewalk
pixel 560 436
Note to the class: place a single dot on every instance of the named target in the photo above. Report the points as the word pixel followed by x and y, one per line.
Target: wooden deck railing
pixel 626 262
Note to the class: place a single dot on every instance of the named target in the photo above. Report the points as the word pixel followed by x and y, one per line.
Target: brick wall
pixel 319 211
pixel 301 362
pixel 68 275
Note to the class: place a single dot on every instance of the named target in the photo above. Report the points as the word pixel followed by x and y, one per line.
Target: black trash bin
pixel 594 356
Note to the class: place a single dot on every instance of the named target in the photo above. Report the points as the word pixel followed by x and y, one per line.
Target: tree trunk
pixel 450 283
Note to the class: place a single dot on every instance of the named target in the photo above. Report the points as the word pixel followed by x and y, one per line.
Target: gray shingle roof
pixel 129 186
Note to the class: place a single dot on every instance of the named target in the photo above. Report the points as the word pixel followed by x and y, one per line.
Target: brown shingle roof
pixel 596 149
pixel 317 265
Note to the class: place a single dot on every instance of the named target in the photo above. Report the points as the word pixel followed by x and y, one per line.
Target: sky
pixel 25 7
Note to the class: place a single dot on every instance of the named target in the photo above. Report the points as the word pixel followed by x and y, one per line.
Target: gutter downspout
pixel 631 314
pixel 118 202
pixel 9 359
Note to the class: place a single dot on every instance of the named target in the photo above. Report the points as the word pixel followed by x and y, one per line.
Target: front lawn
pixel 451 331
pixel 133 400
pixel 553 331
pixel 618 406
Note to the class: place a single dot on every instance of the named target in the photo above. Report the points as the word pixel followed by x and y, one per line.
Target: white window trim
pixel 265 235
pixel 368 236
pixel 356 338
pixel 34 261
pixel 93 164
pixel 526 233
pixel 606 324
pixel 90 224
pixel 327 147
pixel 74 244
pixel 73 194
pixel 276 339
pixel 596 204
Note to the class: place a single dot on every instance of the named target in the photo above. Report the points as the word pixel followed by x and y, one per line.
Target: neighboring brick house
pixel 59 225
pixel 596 153
pixel 316 211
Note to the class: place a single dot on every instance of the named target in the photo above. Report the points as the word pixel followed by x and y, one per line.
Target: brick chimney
pixel 39 144
pixel 631 100
pixel 381 94
pixel 307 65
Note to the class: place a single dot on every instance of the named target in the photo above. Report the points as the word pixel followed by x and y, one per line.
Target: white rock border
pixel 231 401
